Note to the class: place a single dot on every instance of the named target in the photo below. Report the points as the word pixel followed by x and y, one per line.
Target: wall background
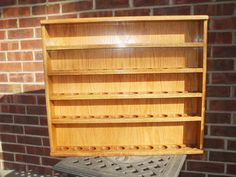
pixel 23 127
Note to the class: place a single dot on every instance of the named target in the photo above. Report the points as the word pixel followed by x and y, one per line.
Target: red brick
pixel 38 150
pixel 224 23
pixel 13 148
pixel 41 100
pixel 214 143
pixel 27 158
pixel 30 22
pixel 6 118
pixel 189 1
pixel 77 6
pixel 32 120
pixel 220 38
pixel 104 4
pixel 218 91
pixel 39 77
pixel 14 166
pixel 8 23
pixel 223 156
pixel 31 44
pixel 10 88
pixel 2 57
pixel 19 109
pixel 220 65
pixel 218 118
pixel 96 14
pixel 20 33
pixel 25 77
pixel 38 55
pixel 231 144
pixel 40 110
pixel 24 99
pixel 3 77
pixel 33 66
pixel 49 9
pixel 49 161
pixel 192 174
pixel 139 3
pixel 231 169
pixel 41 131
pixel 11 129
pixel 224 78
pixel 33 88
pixel 31 1
pixel 228 131
pixel 183 10
pixel 8 156
pixel 2 35
pixel 6 67
pixel 62 16
pixel 133 12
pixel 224 51
pixel 214 9
pixel 7 3
pixel 7 138
pixel 16 56
pixel 205 167
pixel 9 46
pixel 29 140
pixel 16 11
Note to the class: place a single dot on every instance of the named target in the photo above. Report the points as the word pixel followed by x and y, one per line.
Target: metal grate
pixel 121 166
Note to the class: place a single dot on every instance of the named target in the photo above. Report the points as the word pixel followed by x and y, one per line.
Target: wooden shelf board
pixel 122 95
pixel 126 19
pixel 125 71
pixel 112 46
pixel 124 120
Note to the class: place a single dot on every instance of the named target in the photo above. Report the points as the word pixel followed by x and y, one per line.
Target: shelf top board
pixel 130 18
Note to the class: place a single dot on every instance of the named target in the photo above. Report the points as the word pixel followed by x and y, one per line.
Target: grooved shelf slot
pixel 125 118
pixel 125 71
pixel 124 95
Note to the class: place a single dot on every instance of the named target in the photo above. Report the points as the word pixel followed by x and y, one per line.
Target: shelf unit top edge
pixel 125 19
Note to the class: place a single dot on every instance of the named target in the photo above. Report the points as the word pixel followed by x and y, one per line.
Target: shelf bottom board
pixel 119 151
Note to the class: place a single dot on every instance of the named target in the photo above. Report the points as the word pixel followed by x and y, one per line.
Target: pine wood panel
pixel 107 78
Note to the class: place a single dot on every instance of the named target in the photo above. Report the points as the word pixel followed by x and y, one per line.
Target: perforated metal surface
pixel 126 166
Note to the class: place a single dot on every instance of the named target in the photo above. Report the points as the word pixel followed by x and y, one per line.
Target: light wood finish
pixel 125 85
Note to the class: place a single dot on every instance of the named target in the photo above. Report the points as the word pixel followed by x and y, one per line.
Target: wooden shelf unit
pixel 125 85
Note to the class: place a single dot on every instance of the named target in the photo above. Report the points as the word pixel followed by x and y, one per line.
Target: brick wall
pixel 23 126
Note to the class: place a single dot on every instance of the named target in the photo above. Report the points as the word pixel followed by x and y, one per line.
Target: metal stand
pixel 121 166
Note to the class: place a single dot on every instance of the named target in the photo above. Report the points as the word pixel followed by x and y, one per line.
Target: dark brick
pixel 232 144
pixel 104 4
pixel 218 91
pixel 26 120
pixel 224 51
pixel 214 143
pixel 11 129
pixel 183 10
pixel 220 65
pixel 223 156
pixel 40 110
pixel 36 131
pixel 205 167
pixel 38 150
pixel 139 3
pixel 13 109
pixel 43 121
pixel 7 3
pixel 13 148
pixel 218 118
pixel 40 170
pixel 197 156
pixel 29 140
pixel 77 6
pixel 7 138
pixel 220 175
pixel 189 1
pixel 133 12
pixel 220 38
pixel 49 161
pixel 24 99
pixel 8 156
pixel 231 169
pixel 6 118
pixel 188 174
pixel 224 78
pixel 224 23
pixel 41 100
pixel 223 131
pixel 14 166
pixel 27 158
pixel 31 1
pixel 96 14
pixel 214 9
pixel 45 142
